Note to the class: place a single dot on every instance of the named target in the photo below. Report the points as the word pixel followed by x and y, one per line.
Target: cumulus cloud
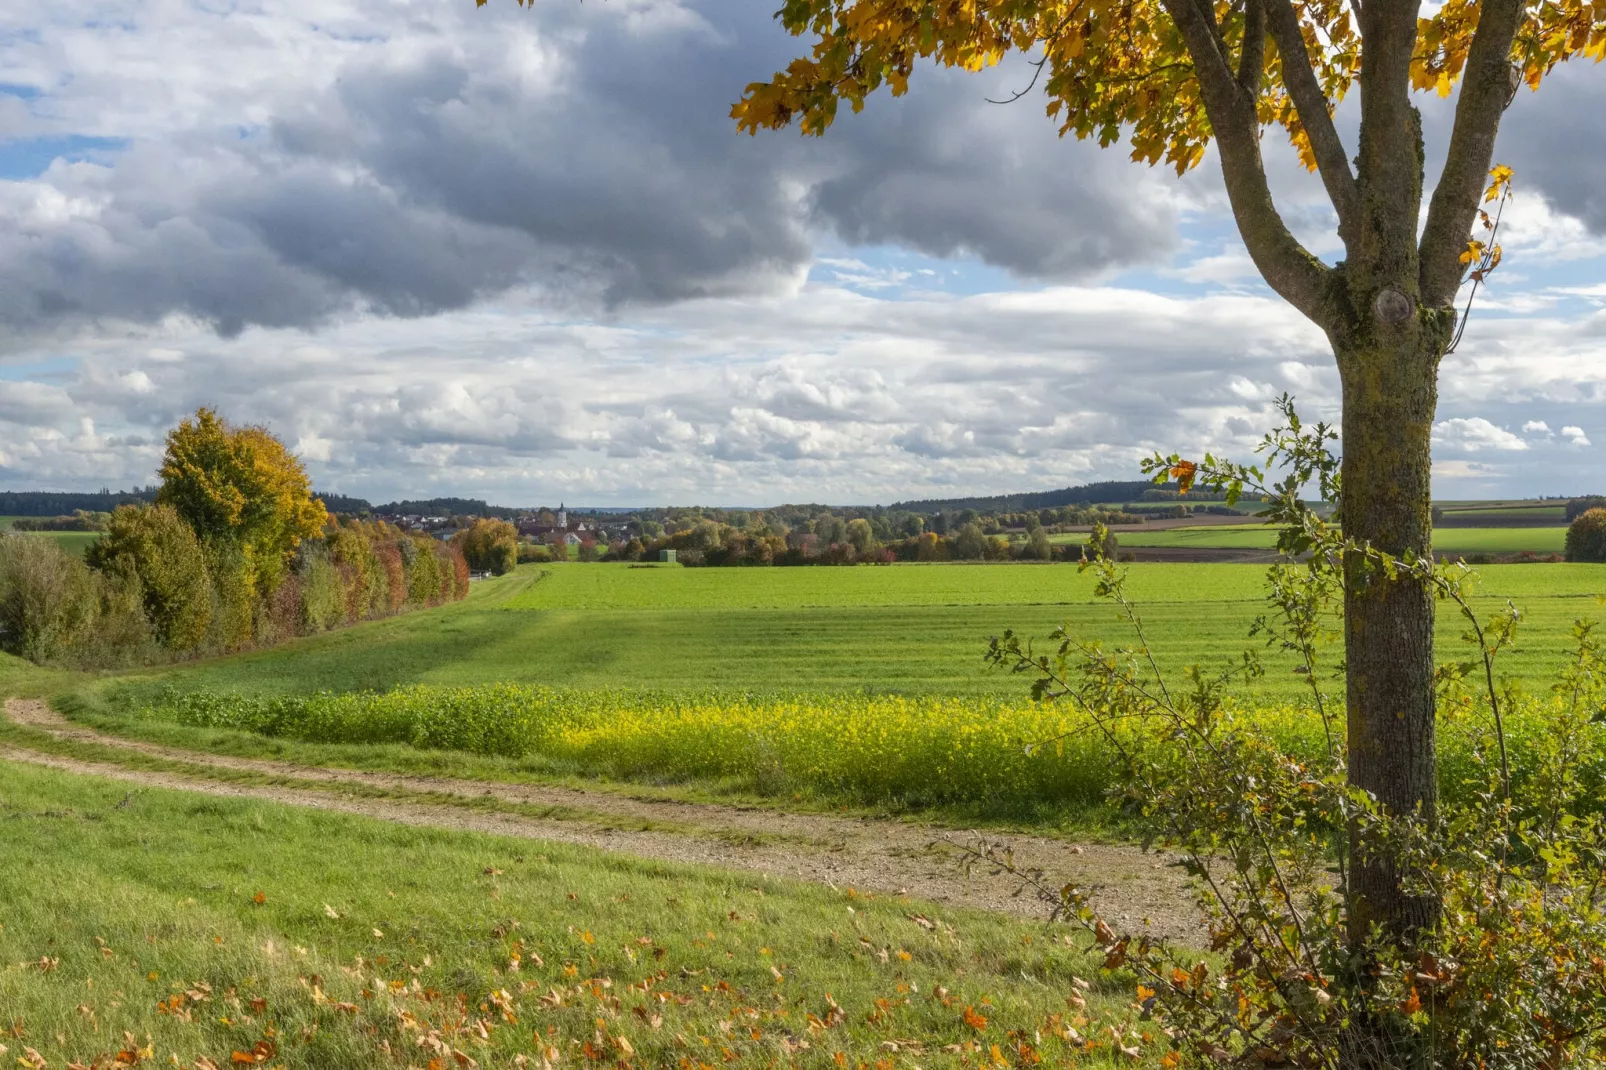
pixel 1536 427
pixel 826 394
pixel 1575 436
pixel 1472 434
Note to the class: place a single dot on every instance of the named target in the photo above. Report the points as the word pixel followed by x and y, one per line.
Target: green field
pixel 772 630
pixel 70 540
pixel 1485 540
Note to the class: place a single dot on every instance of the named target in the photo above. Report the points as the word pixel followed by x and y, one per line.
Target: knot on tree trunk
pixel 1392 306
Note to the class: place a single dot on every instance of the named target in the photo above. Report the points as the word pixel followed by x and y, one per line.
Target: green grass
pixel 177 927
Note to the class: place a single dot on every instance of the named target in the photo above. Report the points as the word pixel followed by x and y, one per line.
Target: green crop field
pixel 1483 540
pixel 71 540
pixel 917 629
pixel 1495 513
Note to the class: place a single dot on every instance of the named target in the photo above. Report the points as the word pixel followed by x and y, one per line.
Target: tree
pixel 968 543
pixel 861 536
pixel 1586 537
pixel 1171 75
pixel 241 488
pixel 490 546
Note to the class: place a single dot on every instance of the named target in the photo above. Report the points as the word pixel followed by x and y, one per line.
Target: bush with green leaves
pixel 153 547
pixel 49 599
pixel 1586 537
pixel 323 594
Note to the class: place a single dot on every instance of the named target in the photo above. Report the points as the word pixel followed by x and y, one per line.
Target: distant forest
pixel 58 503
pixel 1107 492
pixel 52 503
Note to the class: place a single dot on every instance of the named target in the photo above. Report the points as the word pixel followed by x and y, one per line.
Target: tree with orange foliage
pixel 243 492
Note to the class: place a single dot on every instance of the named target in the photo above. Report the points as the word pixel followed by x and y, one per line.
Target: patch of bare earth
pixel 869 854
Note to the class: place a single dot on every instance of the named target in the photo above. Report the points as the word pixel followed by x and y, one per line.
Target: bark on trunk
pixel 1389 402
pixel 1390 395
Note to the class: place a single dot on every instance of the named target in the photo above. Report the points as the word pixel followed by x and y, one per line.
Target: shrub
pixel 423 570
pixel 969 544
pixel 154 547
pixel 395 568
pixel 1586 537
pixel 362 574
pixel 458 567
pixel 48 598
pixel 323 596
pixel 279 616
pixel 234 597
pixel 1037 547
pixel 534 553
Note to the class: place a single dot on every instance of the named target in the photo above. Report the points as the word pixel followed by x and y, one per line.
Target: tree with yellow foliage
pixel 1170 77
pixel 243 492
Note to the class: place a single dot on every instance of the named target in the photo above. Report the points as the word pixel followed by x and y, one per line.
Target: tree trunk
pixel 1389 401
pixel 1390 394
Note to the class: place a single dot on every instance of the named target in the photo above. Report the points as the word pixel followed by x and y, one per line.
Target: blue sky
pixel 522 254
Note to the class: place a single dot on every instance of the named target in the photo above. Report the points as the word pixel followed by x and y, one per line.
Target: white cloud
pixel 1575 436
pixel 1536 427
pixel 1472 434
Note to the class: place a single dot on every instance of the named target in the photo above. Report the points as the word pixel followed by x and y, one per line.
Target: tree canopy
pixel 240 487
pixel 1171 75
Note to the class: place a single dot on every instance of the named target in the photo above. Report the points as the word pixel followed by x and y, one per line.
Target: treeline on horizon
pixel 59 503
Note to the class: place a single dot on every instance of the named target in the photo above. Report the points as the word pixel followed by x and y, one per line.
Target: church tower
pixel 563 518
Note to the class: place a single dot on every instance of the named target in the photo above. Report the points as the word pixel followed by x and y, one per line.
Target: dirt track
pixel 873 854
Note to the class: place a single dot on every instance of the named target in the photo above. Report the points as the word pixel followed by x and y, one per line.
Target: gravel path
pixel 885 856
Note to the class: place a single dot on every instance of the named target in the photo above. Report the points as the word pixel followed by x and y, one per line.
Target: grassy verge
pixel 305 939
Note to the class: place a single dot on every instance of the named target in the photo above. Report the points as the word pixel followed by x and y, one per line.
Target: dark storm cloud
pixel 581 150
pixel 1556 140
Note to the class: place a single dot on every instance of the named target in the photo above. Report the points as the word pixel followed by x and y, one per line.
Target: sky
pixel 523 254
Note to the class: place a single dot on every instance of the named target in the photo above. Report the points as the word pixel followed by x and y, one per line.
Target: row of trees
pixel 713 544
pixel 234 552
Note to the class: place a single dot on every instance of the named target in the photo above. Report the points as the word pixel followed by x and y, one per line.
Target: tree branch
pixel 1288 268
pixel 1332 162
pixel 1485 92
pixel 1252 58
pixel 1382 251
